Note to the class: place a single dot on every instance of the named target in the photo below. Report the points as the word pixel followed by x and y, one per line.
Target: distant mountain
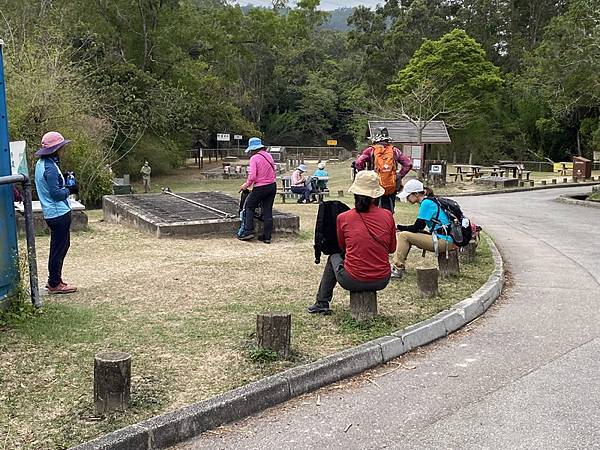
pixel 338 19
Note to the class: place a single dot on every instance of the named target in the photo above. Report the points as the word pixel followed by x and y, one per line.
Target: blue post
pixel 8 228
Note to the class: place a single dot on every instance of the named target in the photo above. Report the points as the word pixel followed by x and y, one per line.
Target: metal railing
pixel 29 233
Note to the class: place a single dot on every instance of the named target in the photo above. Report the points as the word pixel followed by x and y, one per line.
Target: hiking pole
pixel 210 208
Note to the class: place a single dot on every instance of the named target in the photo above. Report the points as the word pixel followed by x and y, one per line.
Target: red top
pixel 367 258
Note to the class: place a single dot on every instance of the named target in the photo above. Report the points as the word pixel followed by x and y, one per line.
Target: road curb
pixel 574 201
pixel 180 425
pixel 523 189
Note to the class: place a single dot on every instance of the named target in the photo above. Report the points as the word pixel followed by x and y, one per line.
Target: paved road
pixel 526 375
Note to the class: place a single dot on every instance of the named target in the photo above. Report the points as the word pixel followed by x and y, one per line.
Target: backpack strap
pixel 266 159
pixel 371 234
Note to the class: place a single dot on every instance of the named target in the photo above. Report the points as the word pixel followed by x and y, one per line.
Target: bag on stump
pixel 258 214
pixel 325 229
pixel 461 229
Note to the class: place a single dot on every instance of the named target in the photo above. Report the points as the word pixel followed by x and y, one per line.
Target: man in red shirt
pixel 366 235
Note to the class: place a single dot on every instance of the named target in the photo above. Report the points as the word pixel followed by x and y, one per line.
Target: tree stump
pixel 274 331
pixel 565 180
pixel 363 305
pixel 112 381
pixel 448 266
pixel 553 180
pixel 340 193
pixel 544 182
pixel 468 252
pixel 427 282
pixel 531 183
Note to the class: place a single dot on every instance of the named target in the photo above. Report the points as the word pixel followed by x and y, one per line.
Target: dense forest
pixel 129 80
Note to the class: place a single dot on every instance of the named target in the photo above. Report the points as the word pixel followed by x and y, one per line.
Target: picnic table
pixel 516 169
pixel 467 170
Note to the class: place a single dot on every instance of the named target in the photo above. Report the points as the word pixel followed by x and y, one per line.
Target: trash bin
pixel 436 172
pixel 582 168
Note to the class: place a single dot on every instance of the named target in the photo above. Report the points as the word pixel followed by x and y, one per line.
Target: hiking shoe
pixel 246 236
pixel 261 238
pixel 62 288
pixel 320 308
pixel 397 272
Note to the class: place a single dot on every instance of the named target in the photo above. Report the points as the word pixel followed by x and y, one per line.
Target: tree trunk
pixel 427 282
pixel 363 305
pixel 274 331
pixel 112 381
pixel 448 266
pixel 468 252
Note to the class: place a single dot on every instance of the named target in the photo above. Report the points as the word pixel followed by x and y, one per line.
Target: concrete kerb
pixel 524 189
pixel 574 201
pixel 177 426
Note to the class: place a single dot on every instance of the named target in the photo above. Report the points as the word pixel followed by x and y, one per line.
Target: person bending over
pixel 366 236
pixel 431 216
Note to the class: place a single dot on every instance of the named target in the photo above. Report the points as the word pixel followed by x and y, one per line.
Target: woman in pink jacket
pixel 261 177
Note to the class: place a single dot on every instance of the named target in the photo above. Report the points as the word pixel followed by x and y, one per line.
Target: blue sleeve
pixel 54 181
pixel 428 210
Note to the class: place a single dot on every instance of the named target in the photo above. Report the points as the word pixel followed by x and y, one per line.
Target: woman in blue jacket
pixel 53 193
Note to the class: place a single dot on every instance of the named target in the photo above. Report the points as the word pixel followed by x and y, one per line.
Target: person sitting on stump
pixel 431 216
pixel 300 184
pixel 366 236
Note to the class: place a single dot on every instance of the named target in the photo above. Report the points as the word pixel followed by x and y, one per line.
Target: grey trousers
pixel 334 273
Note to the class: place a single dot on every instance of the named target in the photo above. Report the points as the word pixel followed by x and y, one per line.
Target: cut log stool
pixel 448 266
pixel 340 193
pixel 467 252
pixel 427 282
pixel 363 305
pixel 112 381
pixel 274 331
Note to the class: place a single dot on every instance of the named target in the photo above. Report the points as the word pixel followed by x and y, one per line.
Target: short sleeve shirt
pixel 428 211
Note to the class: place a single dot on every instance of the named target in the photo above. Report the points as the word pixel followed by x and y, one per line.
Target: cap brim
pixel 251 149
pixel 403 195
pixel 370 193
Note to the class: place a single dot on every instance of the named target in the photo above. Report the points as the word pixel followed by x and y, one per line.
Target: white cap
pixel 411 187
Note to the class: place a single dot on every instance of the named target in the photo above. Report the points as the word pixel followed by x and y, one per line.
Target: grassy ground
pixel 186 311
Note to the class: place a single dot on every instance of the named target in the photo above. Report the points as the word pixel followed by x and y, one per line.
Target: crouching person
pixel 366 236
pixel 431 216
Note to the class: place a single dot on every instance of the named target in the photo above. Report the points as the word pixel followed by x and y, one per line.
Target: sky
pixel 326 5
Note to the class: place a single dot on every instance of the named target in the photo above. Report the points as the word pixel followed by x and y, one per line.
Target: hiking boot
pixel 246 236
pixel 320 308
pixel 61 288
pixel 261 238
pixel 397 272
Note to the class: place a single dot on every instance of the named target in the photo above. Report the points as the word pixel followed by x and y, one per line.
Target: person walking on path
pixel 53 194
pixel 384 158
pixel 146 170
pixel 366 235
pixel 431 216
pixel 261 177
pixel 300 184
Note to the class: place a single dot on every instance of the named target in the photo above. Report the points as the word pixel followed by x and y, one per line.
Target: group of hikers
pixel 362 238
pixel 358 241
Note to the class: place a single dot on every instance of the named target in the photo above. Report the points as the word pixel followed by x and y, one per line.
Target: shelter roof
pixel 404 132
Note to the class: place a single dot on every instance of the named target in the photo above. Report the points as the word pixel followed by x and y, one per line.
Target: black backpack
pixel 325 229
pixel 460 229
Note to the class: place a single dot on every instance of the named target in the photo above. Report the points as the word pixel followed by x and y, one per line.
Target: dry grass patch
pixel 186 311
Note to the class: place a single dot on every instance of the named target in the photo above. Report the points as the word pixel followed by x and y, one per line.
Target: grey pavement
pixel 526 375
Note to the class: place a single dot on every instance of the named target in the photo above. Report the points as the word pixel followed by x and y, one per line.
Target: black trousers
pixel 60 241
pixel 335 273
pixel 387 202
pixel 265 196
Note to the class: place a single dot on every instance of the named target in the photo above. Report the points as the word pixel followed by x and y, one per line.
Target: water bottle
pixel 69 182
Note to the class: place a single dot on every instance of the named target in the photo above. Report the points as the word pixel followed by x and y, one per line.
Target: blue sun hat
pixel 254 144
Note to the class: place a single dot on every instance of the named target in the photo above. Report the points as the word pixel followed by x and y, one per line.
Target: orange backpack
pixel 385 165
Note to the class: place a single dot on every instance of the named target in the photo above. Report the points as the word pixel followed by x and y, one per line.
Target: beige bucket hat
pixel 366 183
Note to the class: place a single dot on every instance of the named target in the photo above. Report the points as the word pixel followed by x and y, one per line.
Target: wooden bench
pixel 286 191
